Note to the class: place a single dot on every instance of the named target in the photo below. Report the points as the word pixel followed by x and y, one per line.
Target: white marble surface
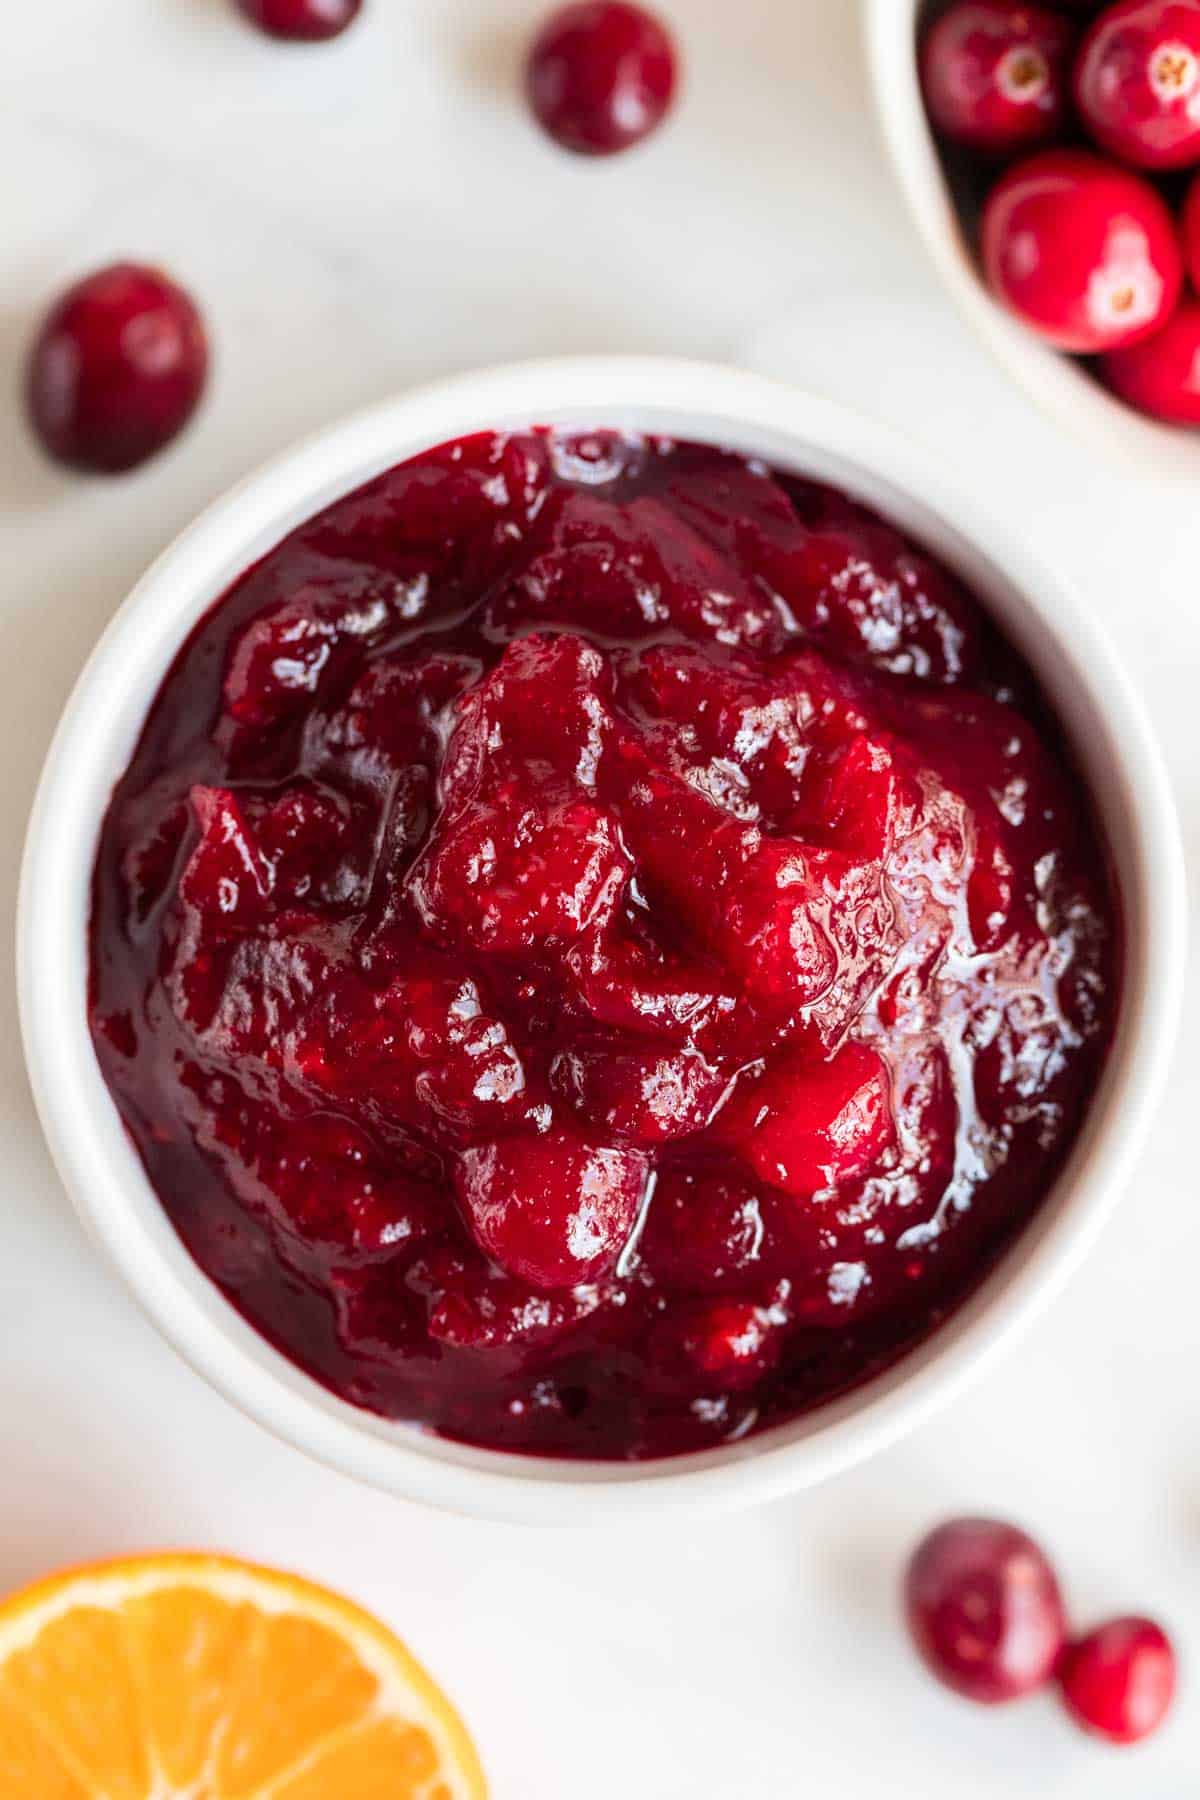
pixel 356 218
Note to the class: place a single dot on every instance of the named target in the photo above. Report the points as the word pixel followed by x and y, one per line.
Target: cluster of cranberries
pixel 1092 234
pixel 986 1613
pixel 120 362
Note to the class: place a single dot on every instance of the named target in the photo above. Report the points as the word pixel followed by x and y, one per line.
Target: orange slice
pixel 201 1678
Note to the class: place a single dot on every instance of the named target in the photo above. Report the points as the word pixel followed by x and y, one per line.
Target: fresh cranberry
pixel 984 1609
pixel 117 369
pixel 1119 1680
pixel 995 74
pixel 1161 374
pixel 601 76
pixel 301 21
pixel 1083 252
pixel 1137 82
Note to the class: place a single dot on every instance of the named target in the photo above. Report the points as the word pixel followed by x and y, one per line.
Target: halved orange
pixel 202 1678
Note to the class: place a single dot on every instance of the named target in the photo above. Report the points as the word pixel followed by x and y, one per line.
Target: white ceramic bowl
pixel 104 716
pixel 1063 389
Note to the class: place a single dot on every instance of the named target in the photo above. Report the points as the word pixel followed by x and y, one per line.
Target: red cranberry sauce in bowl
pixel 600 944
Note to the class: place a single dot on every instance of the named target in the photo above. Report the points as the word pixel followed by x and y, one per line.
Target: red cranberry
pixel 301 21
pixel 1085 253
pixel 601 76
pixel 1119 1680
pixel 1137 82
pixel 117 369
pixel 1161 374
pixel 984 1609
pixel 995 74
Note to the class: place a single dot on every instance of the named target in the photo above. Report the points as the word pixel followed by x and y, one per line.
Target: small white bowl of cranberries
pixel 1050 154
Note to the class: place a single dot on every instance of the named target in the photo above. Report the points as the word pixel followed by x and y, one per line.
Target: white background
pixel 355 218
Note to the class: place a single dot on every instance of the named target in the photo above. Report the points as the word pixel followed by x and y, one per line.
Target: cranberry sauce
pixel 599 945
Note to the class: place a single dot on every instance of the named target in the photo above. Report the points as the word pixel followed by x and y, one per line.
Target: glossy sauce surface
pixel 599 945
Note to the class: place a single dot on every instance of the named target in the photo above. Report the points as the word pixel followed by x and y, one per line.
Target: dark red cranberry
pixel 601 76
pixel 984 1609
pixel 301 21
pixel 1085 253
pixel 996 74
pixel 1161 374
pixel 1137 82
pixel 117 369
pixel 1119 1680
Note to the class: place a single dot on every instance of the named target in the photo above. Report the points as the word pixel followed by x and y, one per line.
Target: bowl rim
pixel 1061 389
pixel 99 725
